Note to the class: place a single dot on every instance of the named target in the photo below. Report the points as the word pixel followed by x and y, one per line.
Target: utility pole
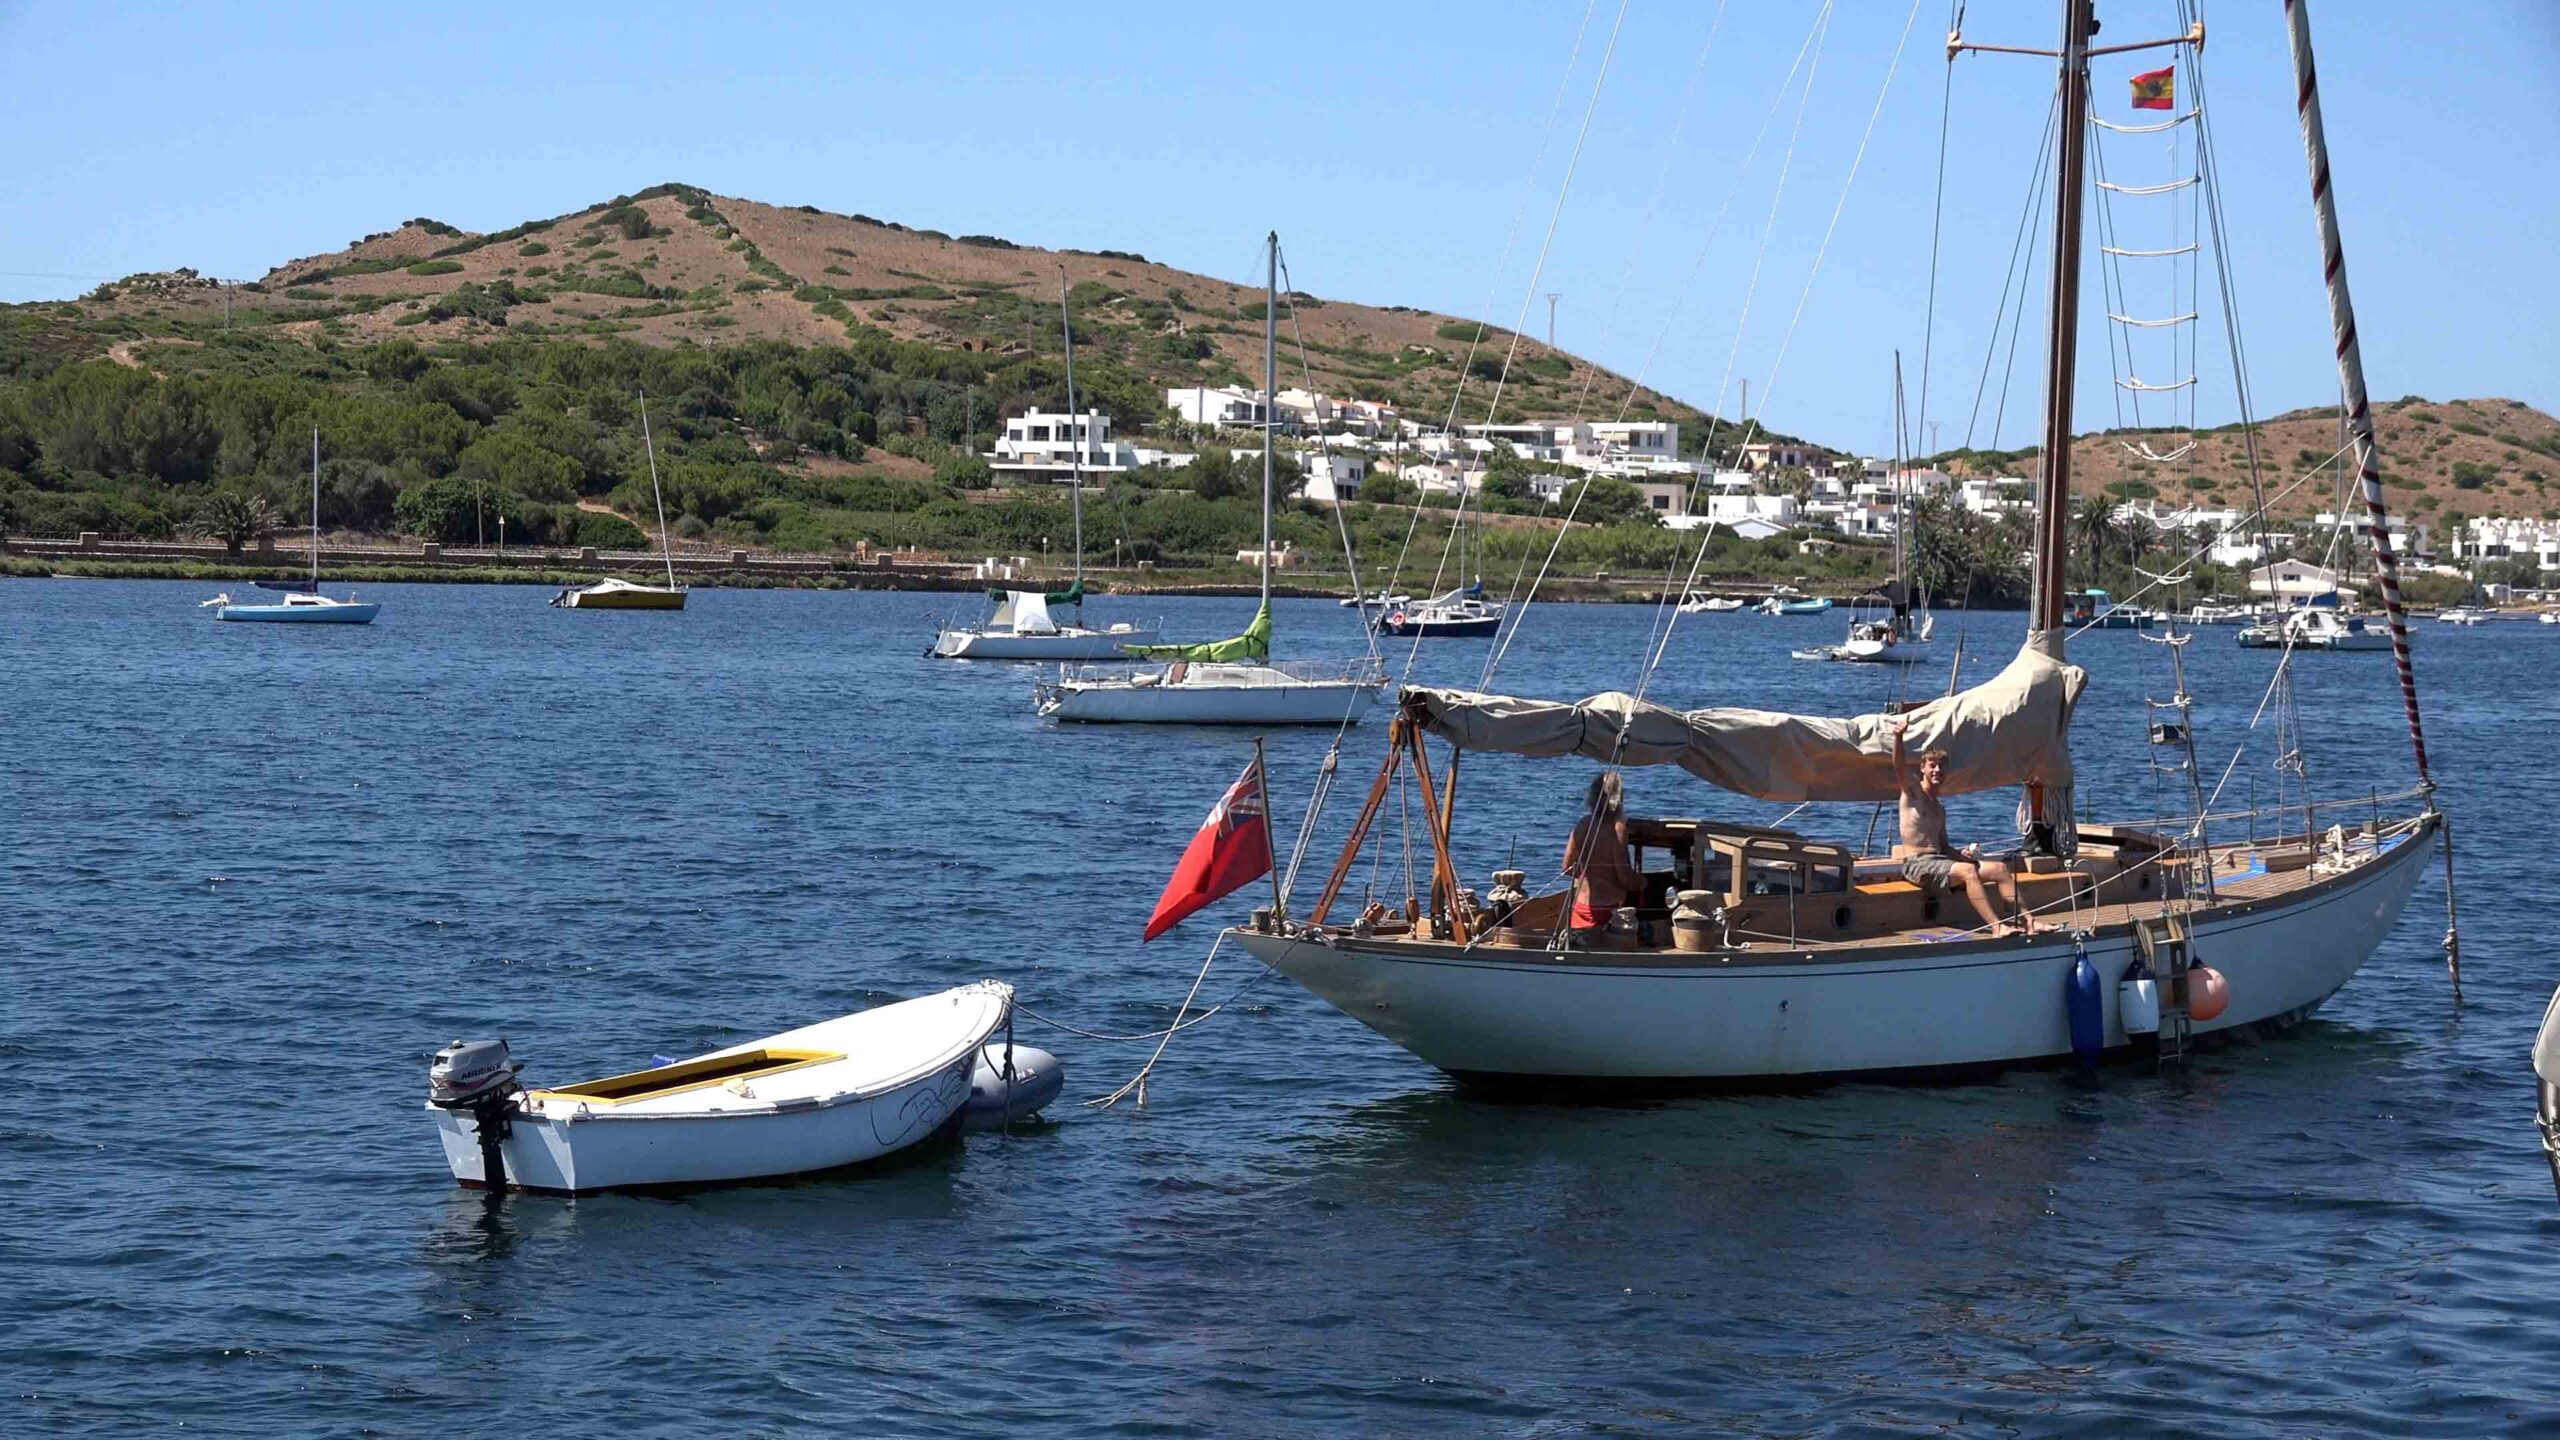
pixel 1933 437
pixel 1552 297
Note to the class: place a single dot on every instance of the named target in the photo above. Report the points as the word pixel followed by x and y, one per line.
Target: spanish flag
pixel 2156 90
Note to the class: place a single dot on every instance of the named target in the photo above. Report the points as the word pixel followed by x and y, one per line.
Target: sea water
pixel 253 876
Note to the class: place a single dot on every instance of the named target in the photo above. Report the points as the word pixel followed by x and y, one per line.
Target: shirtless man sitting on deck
pixel 1928 861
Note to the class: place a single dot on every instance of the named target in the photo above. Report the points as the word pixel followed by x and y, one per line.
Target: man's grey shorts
pixel 1929 872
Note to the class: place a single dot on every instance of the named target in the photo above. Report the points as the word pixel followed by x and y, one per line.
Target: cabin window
pixel 1772 877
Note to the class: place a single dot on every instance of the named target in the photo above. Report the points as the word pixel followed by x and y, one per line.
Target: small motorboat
pixel 1381 600
pixel 301 609
pixel 2546 1074
pixel 2463 615
pixel 1780 605
pixel 1710 605
pixel 821 1097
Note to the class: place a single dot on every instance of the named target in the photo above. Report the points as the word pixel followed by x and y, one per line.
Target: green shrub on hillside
pixel 435 267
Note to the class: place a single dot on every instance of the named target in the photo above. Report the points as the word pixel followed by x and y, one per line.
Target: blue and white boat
pixel 303 604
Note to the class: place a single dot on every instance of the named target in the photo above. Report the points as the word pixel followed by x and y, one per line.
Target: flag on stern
pixel 2156 90
pixel 1232 850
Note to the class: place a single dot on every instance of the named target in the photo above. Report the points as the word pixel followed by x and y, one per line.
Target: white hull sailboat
pixel 1900 1007
pixel 1210 693
pixel 303 604
pixel 1232 681
pixel 615 593
pixel 821 1097
pixel 1752 956
pixel 1022 627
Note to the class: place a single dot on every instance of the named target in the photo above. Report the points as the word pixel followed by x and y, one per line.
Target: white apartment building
pixel 2295 580
pixel 1332 475
pixel 2498 537
pixel 1212 405
pixel 1997 495
pixel 1611 444
pixel 1040 447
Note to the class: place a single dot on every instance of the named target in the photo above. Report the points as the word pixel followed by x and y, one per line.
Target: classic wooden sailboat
pixel 303 604
pixel 1760 956
pixel 1232 681
pixel 1022 627
pixel 615 593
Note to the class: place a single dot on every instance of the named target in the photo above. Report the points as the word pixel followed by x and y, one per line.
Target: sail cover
pixel 2009 730
pixel 1031 614
pixel 1253 644
pixel 1072 595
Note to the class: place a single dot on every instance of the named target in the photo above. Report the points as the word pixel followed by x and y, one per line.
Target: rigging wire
pixel 1635 382
pixel 1564 190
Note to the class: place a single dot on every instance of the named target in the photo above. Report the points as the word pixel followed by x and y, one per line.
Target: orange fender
pixel 2208 993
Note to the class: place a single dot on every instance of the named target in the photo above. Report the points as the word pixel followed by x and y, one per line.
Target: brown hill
pixel 675 264
pixel 2440 459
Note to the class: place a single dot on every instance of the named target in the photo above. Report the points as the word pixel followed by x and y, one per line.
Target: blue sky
pixel 1392 147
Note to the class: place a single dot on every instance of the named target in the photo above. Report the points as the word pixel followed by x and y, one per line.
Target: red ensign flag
pixel 2156 90
pixel 1232 850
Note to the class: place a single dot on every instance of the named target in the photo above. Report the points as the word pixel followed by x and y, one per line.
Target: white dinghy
pixel 821 1097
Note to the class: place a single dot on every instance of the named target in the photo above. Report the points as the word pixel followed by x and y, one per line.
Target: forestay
pixel 2013 729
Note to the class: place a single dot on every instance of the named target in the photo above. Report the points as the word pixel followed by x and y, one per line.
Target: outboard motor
pixel 2546 1070
pixel 478 1076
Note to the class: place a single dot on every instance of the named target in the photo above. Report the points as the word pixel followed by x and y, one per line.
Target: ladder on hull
pixel 2162 943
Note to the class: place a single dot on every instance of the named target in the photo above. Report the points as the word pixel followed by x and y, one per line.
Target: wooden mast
pixel 2053 497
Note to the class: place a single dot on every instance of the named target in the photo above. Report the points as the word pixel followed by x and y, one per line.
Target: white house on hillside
pixel 1213 405
pixel 1039 447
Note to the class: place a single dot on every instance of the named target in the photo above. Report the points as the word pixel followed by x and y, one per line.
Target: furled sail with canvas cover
pixel 2012 729
pixel 1030 613
pixel 1072 595
pixel 1253 644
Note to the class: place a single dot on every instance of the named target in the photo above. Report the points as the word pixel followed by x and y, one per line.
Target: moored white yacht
pixel 1023 627
pixel 1232 681
pixel 615 593
pixel 2314 627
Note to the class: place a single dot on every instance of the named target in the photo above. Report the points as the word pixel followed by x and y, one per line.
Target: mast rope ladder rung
pixel 2186 249
pixel 2147 388
pixel 2146 452
pixel 2163 188
pixel 2160 324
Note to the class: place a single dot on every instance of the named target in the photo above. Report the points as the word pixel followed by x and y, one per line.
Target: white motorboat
pixel 817 1098
pixel 1377 600
pixel 2209 613
pixel 1024 629
pixel 615 593
pixel 1753 955
pixel 2551 617
pixel 2315 628
pixel 2463 615
pixel 1232 681
pixel 1710 605
pixel 303 604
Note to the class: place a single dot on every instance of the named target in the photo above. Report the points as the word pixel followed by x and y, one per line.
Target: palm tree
pixel 2093 524
pixel 235 519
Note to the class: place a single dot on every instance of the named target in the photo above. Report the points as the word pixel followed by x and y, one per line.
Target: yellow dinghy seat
pixel 690 1075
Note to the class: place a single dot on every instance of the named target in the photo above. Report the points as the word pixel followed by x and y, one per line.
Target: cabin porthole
pixel 1840 918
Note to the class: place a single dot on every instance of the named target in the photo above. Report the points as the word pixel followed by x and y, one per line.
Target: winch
pixel 479 1076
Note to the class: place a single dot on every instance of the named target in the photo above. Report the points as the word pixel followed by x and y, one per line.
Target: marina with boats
pixel 1011 1003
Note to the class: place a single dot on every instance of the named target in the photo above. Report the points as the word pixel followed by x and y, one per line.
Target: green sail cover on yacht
pixel 1072 595
pixel 1253 644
